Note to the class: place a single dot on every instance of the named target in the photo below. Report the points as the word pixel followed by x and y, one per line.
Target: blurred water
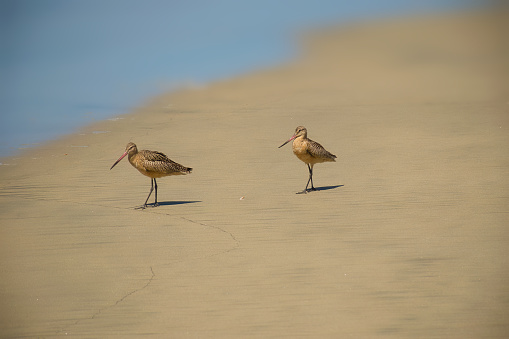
pixel 66 63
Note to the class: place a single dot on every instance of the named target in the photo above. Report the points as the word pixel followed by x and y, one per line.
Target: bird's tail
pixel 188 170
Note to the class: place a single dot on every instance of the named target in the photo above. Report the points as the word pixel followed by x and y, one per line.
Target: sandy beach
pixel 407 236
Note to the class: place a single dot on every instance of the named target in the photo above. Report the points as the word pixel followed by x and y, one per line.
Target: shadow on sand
pixel 170 203
pixel 323 188
pixel 166 203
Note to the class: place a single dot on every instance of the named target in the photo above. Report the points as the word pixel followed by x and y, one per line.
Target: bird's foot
pixel 142 207
pixel 307 190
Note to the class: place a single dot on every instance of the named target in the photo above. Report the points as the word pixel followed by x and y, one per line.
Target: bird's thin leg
pixel 151 189
pixel 155 184
pixel 311 177
pixel 307 184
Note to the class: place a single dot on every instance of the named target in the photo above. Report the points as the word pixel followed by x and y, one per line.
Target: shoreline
pixel 407 237
pixel 14 150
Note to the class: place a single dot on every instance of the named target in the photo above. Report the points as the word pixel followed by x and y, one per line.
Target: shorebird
pixel 153 165
pixel 309 151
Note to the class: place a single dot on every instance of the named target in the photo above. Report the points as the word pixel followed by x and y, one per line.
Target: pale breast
pixel 299 148
pixel 311 152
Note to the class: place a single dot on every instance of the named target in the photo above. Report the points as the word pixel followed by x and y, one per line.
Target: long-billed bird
pixel 153 165
pixel 309 151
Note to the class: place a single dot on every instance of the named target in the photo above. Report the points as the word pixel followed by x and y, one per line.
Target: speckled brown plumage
pixel 309 151
pixel 153 164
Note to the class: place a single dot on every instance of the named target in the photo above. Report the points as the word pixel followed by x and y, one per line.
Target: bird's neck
pixel 301 138
pixel 131 156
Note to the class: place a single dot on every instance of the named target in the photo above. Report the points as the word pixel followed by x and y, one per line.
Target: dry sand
pixel 408 237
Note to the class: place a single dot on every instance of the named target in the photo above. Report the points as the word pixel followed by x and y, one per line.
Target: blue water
pixel 65 63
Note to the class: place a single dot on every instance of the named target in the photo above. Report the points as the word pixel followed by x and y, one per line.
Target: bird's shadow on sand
pixel 323 188
pixel 171 203
pixel 166 203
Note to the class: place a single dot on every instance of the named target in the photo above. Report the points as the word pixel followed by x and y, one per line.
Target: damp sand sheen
pixel 410 241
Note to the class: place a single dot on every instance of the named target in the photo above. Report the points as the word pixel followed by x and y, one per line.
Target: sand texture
pixel 408 236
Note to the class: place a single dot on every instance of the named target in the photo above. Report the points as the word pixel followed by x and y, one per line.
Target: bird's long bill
pixel 116 162
pixel 287 141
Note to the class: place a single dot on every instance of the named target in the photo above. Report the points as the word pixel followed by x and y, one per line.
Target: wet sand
pixel 407 236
